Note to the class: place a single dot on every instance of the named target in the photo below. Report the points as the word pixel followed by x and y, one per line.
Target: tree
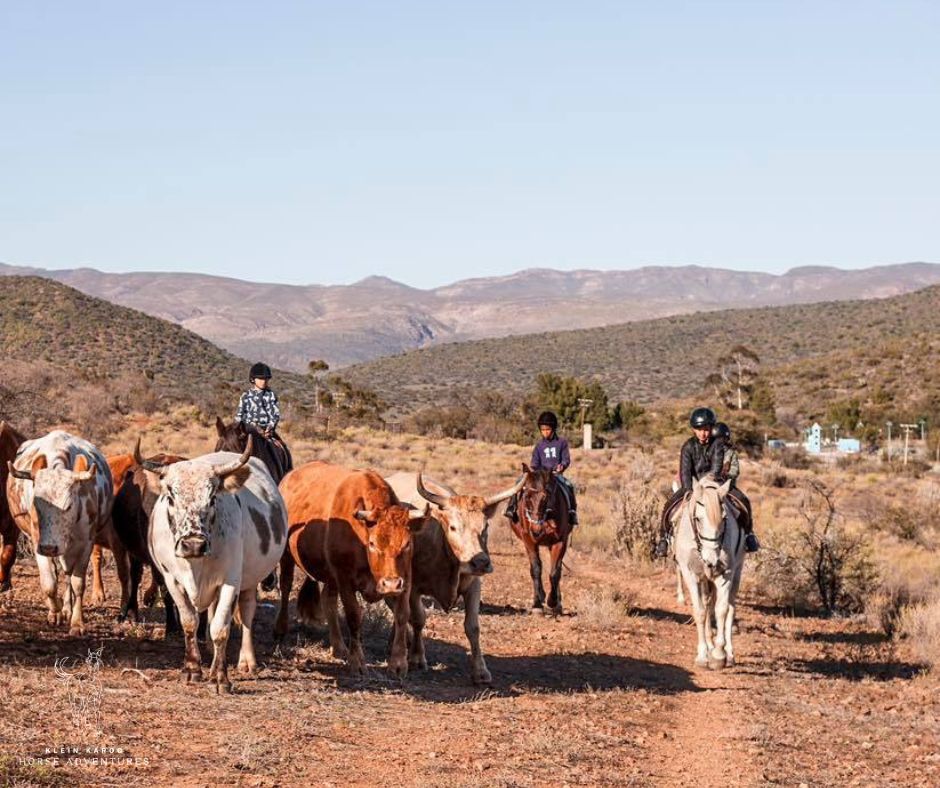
pixel 562 395
pixel 734 379
pixel 315 370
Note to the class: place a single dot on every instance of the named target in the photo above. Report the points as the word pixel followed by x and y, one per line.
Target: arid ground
pixel 605 694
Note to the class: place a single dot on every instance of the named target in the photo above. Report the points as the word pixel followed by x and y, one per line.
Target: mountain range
pixel 288 325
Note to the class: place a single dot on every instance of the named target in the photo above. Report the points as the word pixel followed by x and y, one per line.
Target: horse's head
pixel 232 437
pixel 708 517
pixel 537 496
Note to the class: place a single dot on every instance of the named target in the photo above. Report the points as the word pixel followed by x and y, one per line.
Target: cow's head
pixel 465 521
pixel 389 532
pixel 190 490
pixel 59 495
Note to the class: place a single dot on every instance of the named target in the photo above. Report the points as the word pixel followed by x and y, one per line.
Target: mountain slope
pixel 668 357
pixel 289 325
pixel 42 320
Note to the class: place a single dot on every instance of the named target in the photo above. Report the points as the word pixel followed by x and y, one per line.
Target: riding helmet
pixel 548 419
pixel 260 370
pixel 722 430
pixel 701 418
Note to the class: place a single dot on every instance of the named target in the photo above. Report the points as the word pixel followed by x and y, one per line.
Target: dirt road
pixel 590 698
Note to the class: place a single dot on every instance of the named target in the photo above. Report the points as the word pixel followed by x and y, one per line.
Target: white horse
pixel 710 555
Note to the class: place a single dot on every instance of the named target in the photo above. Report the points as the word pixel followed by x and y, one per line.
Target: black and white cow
pixel 218 527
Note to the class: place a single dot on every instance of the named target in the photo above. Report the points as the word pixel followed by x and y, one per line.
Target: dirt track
pixel 811 701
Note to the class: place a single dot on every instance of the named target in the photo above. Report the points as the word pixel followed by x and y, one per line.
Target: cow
pixel 349 531
pixel 60 493
pixel 218 526
pixel 10 441
pixel 449 558
pixel 119 464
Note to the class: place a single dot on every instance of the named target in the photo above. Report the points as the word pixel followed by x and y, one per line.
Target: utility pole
pixel 907 434
pixel 889 424
pixel 587 439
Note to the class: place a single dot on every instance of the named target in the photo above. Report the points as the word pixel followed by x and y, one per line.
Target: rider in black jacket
pixel 703 454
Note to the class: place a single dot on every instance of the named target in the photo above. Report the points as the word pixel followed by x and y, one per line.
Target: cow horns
pixel 16 473
pixel 507 493
pixel 437 500
pixel 148 465
pixel 230 467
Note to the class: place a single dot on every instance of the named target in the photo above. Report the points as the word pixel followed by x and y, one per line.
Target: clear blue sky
pixel 429 141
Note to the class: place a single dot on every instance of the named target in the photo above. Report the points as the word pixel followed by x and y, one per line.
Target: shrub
pixel 921 625
pixel 636 511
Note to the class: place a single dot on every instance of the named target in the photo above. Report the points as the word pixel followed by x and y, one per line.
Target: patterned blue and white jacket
pixel 258 408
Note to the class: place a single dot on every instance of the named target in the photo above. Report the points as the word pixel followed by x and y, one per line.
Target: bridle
pixel 700 537
pixel 538 519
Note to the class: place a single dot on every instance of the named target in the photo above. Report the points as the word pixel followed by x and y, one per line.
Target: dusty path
pixel 586 699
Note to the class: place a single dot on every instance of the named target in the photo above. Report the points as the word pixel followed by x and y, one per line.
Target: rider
pixel 730 471
pixel 258 408
pixel 550 454
pixel 701 456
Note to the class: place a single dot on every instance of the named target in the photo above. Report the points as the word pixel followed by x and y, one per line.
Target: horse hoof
pixel 537 611
pixel 76 632
pixel 701 662
pixel 557 610
pixel 482 678
pixel 716 664
pixel 729 662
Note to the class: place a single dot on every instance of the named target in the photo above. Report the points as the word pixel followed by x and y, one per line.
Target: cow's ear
pixel 236 480
pixel 219 426
pixel 416 520
pixel 39 464
pixel 366 516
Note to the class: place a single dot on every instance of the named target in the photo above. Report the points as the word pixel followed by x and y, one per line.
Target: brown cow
pixel 120 464
pixel 347 530
pixel 10 441
pixel 450 557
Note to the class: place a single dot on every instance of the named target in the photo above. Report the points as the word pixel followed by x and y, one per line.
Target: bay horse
pixel 274 454
pixel 543 522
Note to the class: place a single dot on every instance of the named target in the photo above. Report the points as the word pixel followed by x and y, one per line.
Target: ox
pixel 10 441
pixel 348 531
pixel 60 493
pixel 217 528
pixel 449 558
pixel 119 464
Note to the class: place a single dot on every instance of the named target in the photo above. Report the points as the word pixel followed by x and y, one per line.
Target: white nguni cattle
pixel 449 558
pixel 218 527
pixel 60 494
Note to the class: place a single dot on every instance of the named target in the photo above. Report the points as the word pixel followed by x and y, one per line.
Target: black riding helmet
pixel 260 370
pixel 548 419
pixel 701 418
pixel 722 430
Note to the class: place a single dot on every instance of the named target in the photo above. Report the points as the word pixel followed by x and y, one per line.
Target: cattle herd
pixel 213 527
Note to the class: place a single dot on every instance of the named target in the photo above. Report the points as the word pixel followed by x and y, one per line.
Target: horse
pixel 10 442
pixel 710 555
pixel 274 454
pixel 543 522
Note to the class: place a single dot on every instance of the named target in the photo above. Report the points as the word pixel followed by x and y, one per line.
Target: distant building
pixel 813 442
pixel 776 443
pixel 849 445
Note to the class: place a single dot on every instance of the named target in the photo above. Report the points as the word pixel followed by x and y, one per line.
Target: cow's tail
pixel 308 602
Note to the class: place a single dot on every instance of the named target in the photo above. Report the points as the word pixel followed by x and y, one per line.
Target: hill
pixel 85 348
pixel 813 352
pixel 289 325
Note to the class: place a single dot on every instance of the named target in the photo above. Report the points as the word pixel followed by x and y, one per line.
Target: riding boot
pixel 572 517
pixel 512 509
pixel 662 548
pixel 751 545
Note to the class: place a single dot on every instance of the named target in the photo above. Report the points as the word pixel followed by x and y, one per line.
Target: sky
pixel 316 142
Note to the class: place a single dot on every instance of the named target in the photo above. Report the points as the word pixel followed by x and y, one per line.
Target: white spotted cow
pixel 60 494
pixel 217 529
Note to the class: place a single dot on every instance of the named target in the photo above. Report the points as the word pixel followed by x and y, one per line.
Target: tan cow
pixel 449 558
pixel 348 531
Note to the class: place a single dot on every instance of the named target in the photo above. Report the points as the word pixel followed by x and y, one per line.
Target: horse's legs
pixel 554 597
pixel 698 613
pixel 729 621
pixel 716 655
pixel 680 591
pixel 8 535
pixel 535 570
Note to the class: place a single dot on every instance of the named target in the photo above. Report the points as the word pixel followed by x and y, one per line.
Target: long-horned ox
pixel 60 493
pixel 449 559
pixel 348 531
pixel 218 526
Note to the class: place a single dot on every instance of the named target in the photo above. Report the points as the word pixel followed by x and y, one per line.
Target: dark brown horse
pixel 10 441
pixel 543 522
pixel 272 452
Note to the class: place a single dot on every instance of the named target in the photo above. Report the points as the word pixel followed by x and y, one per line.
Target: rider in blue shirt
pixel 551 453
